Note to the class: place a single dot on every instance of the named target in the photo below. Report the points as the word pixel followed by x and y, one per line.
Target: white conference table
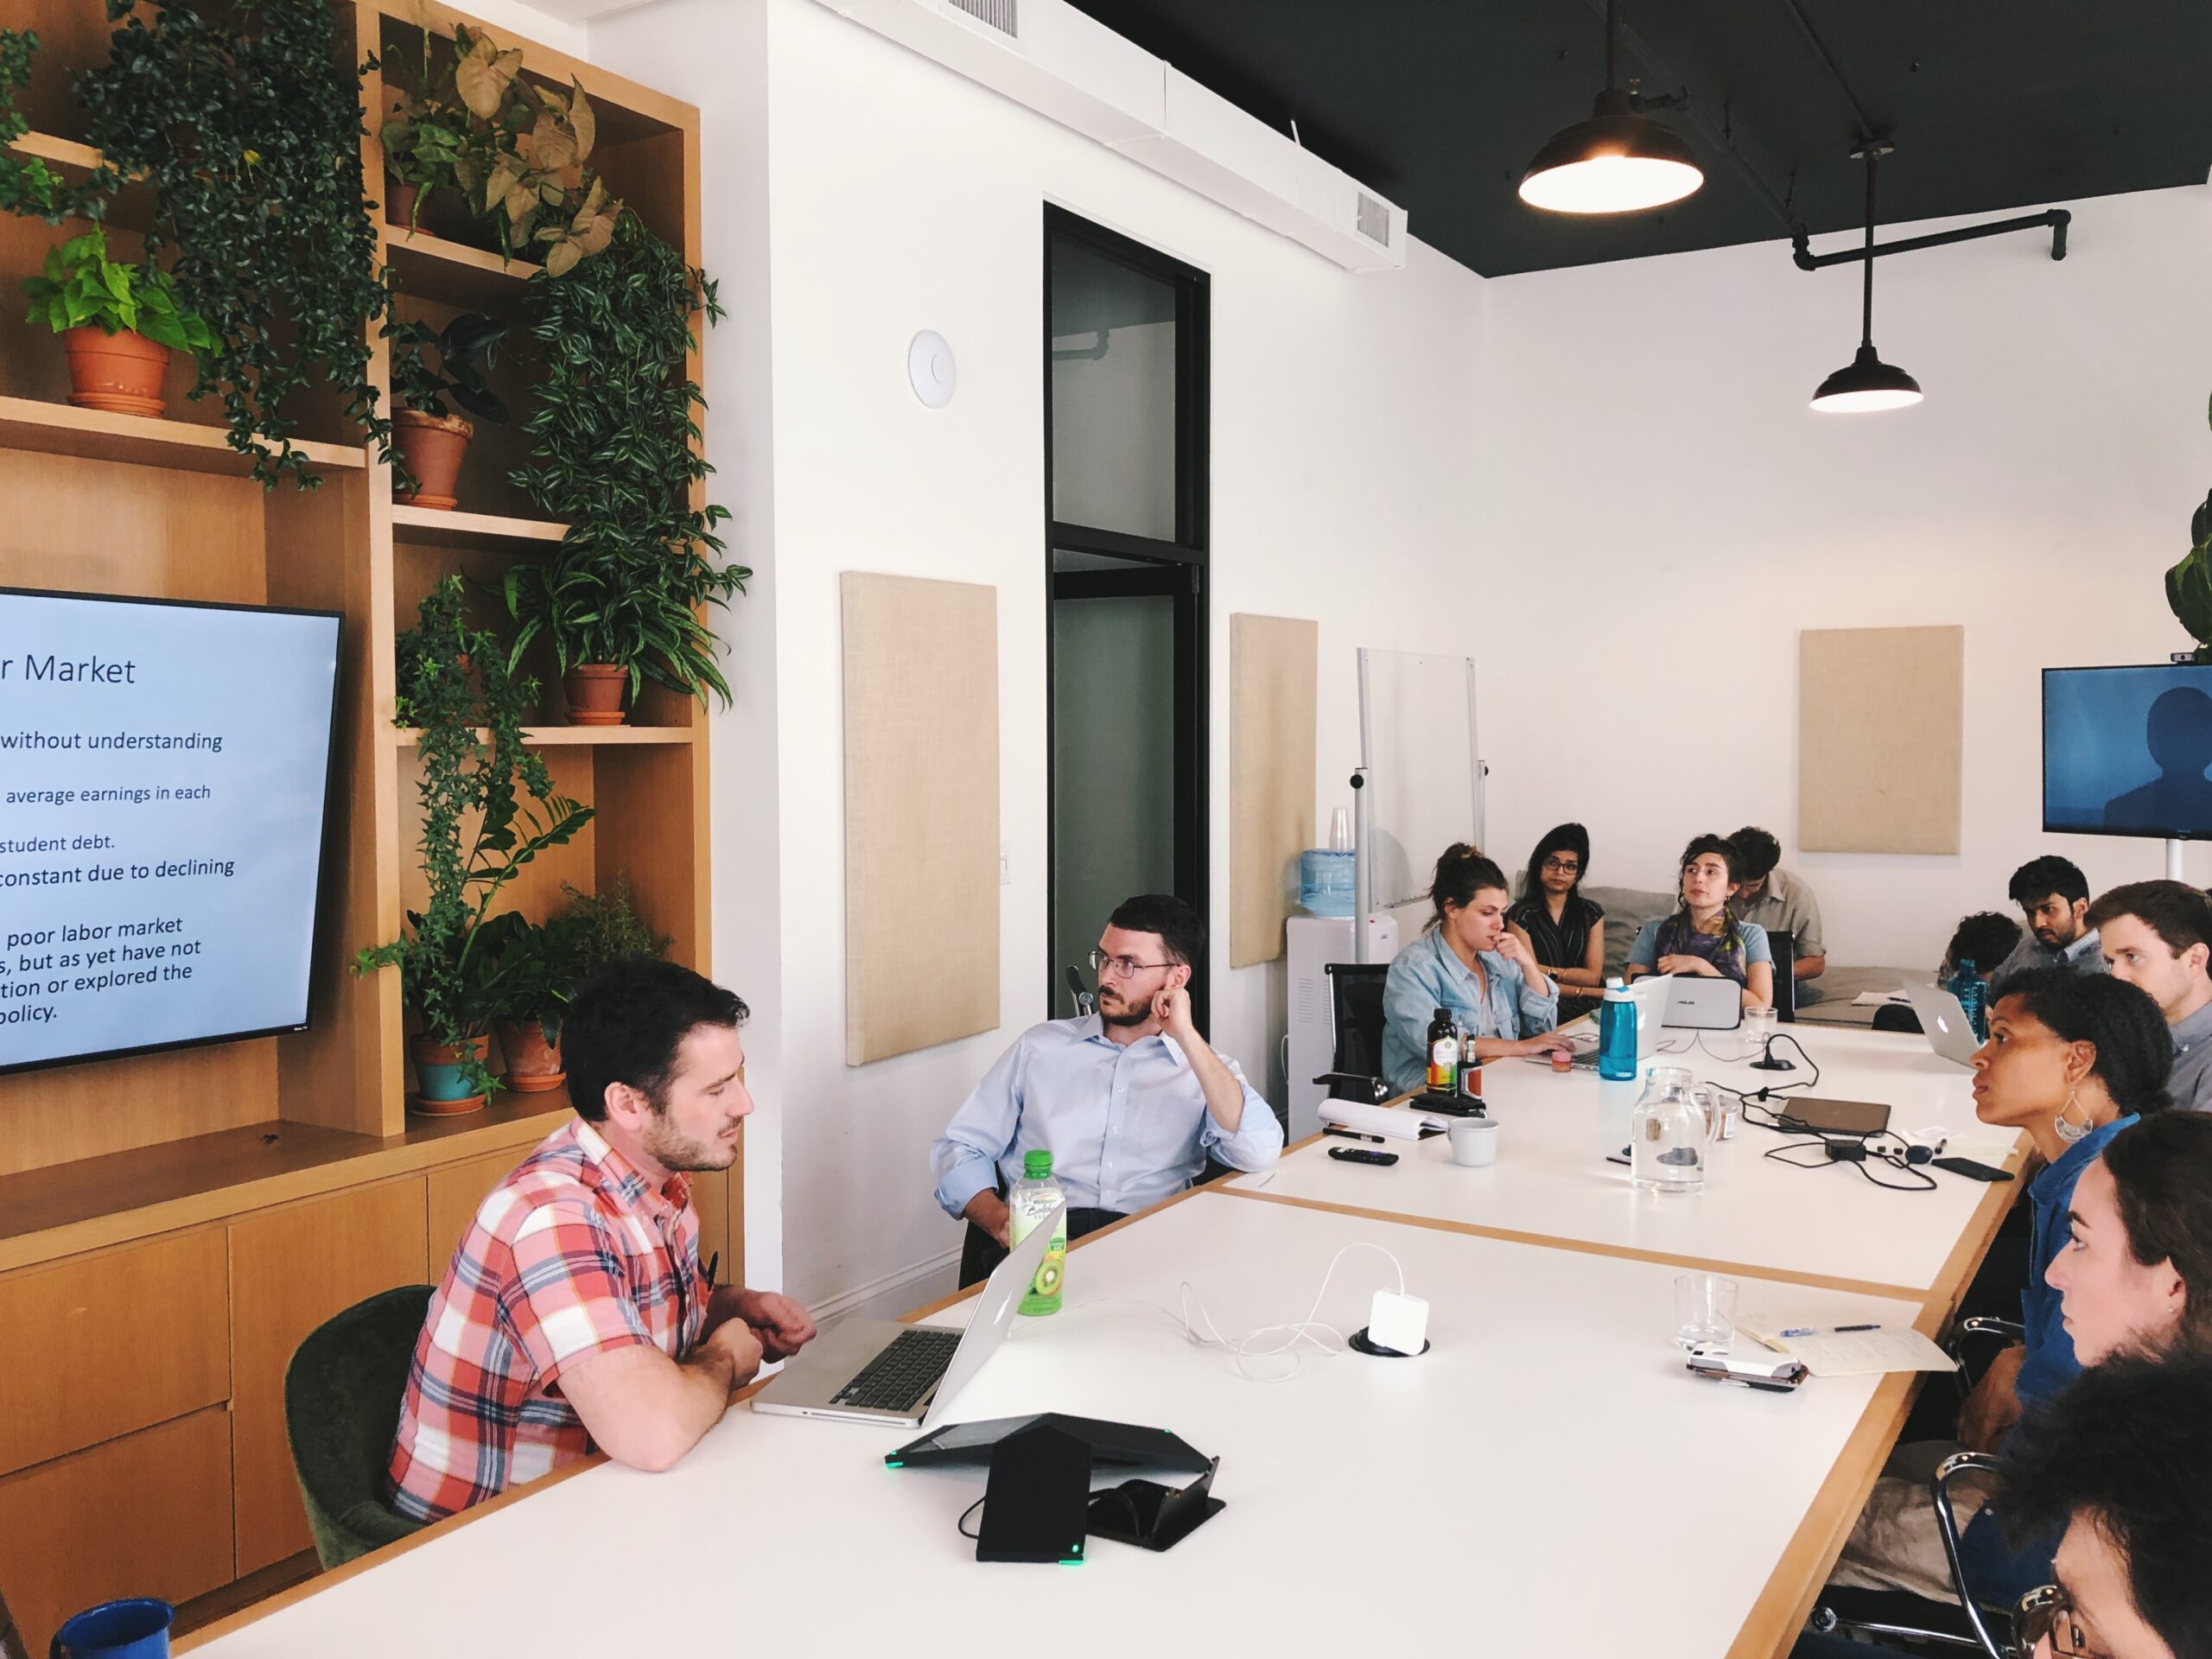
pixel 1828 1224
pixel 1546 1480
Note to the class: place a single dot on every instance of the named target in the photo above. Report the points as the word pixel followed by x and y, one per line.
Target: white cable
pixel 1240 1349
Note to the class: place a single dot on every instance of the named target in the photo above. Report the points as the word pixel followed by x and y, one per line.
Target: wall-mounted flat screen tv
pixel 2125 751
pixel 164 771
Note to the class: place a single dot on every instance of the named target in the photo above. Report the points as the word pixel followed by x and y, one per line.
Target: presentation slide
pixel 2125 750
pixel 162 773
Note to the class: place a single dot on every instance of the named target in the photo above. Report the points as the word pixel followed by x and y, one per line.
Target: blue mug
pixel 135 1629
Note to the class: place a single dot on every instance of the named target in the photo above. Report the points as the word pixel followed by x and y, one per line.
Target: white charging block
pixel 1398 1322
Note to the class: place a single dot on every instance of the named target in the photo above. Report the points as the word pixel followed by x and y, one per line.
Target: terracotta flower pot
pixel 400 203
pixel 532 1048
pixel 431 448
pixel 121 373
pixel 441 1089
pixel 594 692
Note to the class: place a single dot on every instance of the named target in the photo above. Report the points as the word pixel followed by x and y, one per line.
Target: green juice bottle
pixel 1035 1196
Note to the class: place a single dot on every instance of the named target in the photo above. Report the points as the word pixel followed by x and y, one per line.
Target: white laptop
pixel 882 1371
pixel 1697 1003
pixel 1650 994
pixel 1950 1033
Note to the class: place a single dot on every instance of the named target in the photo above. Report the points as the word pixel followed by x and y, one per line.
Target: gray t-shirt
pixel 1786 904
pixel 2084 956
pixel 2191 1082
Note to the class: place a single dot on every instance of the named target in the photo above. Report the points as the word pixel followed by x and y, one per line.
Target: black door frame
pixel 1176 569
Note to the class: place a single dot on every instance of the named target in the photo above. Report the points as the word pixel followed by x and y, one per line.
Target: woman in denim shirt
pixel 1467 962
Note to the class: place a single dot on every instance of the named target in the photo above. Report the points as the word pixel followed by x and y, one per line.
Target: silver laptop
pixel 882 1371
pixel 1697 1003
pixel 1650 994
pixel 1950 1033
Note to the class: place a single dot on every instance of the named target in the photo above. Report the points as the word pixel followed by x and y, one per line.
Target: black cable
pixel 961 1525
pixel 1896 1155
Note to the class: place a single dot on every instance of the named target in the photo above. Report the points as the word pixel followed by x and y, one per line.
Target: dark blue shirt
pixel 2051 1365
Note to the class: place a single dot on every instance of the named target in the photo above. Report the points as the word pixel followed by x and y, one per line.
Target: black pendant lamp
pixel 1617 162
pixel 1867 384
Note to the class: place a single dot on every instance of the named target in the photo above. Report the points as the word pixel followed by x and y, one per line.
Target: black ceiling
pixel 1439 103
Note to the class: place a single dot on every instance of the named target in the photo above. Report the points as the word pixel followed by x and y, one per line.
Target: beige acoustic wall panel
pixel 1273 661
pixel 921 813
pixel 1881 715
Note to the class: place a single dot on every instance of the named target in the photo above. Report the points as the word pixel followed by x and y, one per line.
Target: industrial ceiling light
pixel 1867 383
pixel 1617 162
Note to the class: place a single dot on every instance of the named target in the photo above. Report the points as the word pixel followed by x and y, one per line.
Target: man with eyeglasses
pixel 1130 1100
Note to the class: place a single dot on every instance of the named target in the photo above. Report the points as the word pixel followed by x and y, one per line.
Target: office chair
pixel 12 1644
pixel 1896 1016
pixel 342 1393
pixel 1355 1021
pixel 1784 946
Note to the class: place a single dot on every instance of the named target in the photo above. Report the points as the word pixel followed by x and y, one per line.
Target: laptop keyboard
pixel 899 1375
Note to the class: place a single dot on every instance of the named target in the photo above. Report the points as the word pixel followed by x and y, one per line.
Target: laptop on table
pixel 1950 1033
pixel 882 1371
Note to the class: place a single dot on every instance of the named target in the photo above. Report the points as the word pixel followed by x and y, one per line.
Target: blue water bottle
pixel 1617 1034
pixel 1973 997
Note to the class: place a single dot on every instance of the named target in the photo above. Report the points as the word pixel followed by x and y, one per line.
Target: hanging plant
pixel 448 963
pixel 247 127
pixel 2188 584
pixel 613 457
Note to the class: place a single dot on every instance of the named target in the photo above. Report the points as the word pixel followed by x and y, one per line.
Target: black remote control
pixel 1360 1155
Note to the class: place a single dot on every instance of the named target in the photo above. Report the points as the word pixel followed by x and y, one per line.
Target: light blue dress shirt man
pixel 1129 1101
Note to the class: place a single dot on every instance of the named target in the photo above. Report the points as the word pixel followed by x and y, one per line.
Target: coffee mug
pixel 135 1629
pixel 1474 1141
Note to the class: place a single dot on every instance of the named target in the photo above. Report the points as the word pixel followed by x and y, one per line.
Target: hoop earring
pixel 2071 1134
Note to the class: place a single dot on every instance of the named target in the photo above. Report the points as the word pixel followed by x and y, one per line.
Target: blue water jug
pixel 1325 881
pixel 1973 997
pixel 137 1628
pixel 1617 1034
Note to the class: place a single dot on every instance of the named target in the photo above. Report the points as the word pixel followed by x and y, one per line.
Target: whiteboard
pixel 1424 776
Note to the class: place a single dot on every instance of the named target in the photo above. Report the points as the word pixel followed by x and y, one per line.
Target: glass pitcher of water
pixel 1669 1132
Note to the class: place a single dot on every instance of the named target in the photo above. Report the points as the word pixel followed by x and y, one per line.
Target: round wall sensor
pixel 931 370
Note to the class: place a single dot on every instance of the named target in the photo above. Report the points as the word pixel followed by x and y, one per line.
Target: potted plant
pixel 119 323
pixel 432 439
pixel 430 136
pixel 608 926
pixel 2188 584
pixel 533 969
pixel 614 456
pixel 488 810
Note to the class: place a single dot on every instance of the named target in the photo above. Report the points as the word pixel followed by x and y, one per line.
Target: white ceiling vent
pixel 1066 66
pixel 1001 15
pixel 1374 220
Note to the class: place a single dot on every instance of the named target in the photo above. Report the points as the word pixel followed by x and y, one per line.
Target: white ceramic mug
pixel 1474 1141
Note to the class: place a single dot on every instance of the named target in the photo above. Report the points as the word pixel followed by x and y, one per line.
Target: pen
pixel 1814 1330
pixel 1858 1327
pixel 1349 1136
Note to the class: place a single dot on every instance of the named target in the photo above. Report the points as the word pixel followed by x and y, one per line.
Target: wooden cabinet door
pixel 147 1514
pixel 97 1347
pixel 455 1191
pixel 291 1270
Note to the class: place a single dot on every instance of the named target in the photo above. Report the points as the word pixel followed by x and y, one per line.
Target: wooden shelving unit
pixel 292 1160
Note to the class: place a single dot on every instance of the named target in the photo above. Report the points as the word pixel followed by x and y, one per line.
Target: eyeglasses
pixel 1121 967
pixel 1564 866
pixel 2047 1615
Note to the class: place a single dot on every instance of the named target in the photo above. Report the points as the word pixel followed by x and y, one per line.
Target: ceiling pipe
pixel 2055 219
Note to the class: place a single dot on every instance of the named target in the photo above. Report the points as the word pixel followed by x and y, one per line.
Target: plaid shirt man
pixel 573 1255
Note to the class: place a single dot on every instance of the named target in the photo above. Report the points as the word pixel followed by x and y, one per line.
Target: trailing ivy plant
pixel 448 966
pixel 246 125
pixel 2188 584
pixel 613 456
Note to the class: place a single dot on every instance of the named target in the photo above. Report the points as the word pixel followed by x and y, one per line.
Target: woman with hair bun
pixel 1468 963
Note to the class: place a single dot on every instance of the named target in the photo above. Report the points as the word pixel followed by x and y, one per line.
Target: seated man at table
pixel 574 1314
pixel 2158 935
pixel 1130 1100
pixel 2054 895
pixel 1779 900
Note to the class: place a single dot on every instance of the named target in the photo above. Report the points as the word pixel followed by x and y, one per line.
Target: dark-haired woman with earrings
pixel 1468 963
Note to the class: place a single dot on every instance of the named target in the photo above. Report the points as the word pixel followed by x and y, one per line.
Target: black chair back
pixel 1356 1021
pixel 1784 946
pixel 1898 1016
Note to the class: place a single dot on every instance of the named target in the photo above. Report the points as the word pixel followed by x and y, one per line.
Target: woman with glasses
pixel 1471 964
pixel 1564 932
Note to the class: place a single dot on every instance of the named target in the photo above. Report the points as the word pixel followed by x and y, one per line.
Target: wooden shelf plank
pixel 58 152
pixel 478 529
pixel 407 737
pixel 64 430
pixel 96 1202
pixel 434 269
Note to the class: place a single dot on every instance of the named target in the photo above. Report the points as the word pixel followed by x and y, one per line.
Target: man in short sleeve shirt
pixel 576 1314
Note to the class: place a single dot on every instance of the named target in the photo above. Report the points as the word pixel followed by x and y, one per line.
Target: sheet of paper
pixel 1878 999
pixel 1829 1352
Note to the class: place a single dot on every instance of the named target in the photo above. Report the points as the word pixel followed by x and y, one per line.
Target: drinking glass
pixel 1705 1311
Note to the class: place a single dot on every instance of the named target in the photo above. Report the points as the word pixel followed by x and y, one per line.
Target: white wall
pixel 1661 514
pixel 505 18
pixel 900 197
